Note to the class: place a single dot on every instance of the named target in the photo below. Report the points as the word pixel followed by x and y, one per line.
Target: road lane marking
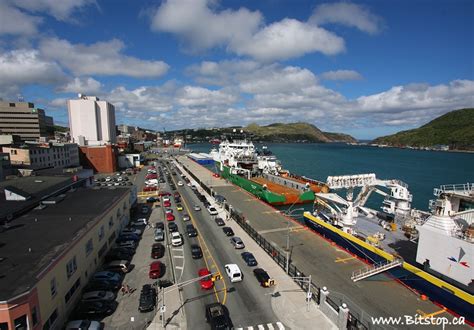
pixel 280 326
pixel 261 327
pixel 181 257
pixel 179 267
pixel 203 243
pixel 343 260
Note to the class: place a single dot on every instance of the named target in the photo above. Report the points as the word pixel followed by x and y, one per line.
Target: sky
pixel 365 68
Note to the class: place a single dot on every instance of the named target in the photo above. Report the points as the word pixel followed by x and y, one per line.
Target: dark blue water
pixel 421 170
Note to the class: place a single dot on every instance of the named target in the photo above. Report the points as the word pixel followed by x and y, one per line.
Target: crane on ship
pixel 344 211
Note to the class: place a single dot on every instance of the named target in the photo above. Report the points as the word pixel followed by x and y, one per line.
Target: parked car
pixel 179 207
pixel 197 208
pixel 106 285
pixel 100 295
pixel 156 270
pixel 117 255
pixel 160 225
pixel 84 325
pixel 118 266
pixel 262 277
pixel 164 193
pixel 123 250
pixel 145 209
pixel 228 231
pixel 109 276
pixel 206 280
pixel 172 227
pixel 170 217
pixel 237 242
pixel 217 315
pixel 159 235
pixel 95 309
pixel 127 244
pixel 151 200
pixel 196 251
pixel 132 230
pixel 157 251
pixel 191 231
pixel 167 204
pixel 186 217
pixel 128 237
pixel 147 301
pixel 249 259
pixel 176 239
pixel 219 221
pixel 180 183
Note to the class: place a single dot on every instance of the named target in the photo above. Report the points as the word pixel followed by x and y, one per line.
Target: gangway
pixel 376 269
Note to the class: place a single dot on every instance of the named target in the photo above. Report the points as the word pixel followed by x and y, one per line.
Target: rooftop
pixel 47 232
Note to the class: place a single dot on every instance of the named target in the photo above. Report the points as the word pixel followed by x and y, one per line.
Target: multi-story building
pixel 23 119
pixel 52 252
pixel 91 121
pixel 35 155
pixel 102 159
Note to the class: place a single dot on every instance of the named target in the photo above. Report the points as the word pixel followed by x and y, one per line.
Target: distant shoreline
pixel 413 148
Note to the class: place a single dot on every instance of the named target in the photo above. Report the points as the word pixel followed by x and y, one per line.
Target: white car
pixel 176 239
pixel 103 296
pixel 180 183
pixel 84 324
pixel 212 210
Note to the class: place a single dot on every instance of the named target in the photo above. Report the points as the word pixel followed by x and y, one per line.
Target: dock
pixel 329 265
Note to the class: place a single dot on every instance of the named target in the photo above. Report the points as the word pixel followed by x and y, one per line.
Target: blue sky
pixel 364 68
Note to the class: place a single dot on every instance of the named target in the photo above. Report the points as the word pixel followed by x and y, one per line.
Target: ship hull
pixel 453 298
pixel 262 192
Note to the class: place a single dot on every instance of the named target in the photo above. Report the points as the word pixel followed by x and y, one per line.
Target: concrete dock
pixel 329 266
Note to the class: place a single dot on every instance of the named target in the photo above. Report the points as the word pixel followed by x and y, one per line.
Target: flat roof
pixel 47 232
pixel 37 186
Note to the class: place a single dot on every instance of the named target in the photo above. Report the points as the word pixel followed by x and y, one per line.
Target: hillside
pixel 455 129
pixel 295 132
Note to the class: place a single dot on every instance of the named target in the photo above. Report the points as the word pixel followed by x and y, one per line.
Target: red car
pixel 166 203
pixel 150 189
pixel 156 270
pixel 151 176
pixel 169 216
pixel 206 282
pixel 164 193
pixel 176 194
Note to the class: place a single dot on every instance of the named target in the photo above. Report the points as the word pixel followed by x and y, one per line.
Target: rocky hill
pixel 455 129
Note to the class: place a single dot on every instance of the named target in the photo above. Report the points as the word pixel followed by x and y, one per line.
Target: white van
pixel 233 272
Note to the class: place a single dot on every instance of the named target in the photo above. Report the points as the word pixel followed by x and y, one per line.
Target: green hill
pixel 295 132
pixel 456 129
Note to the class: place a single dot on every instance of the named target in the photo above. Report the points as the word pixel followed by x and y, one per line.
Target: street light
pixel 289 213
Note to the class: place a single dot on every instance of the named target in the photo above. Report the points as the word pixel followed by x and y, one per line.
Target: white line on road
pixel 270 326
pixel 175 249
pixel 178 257
pixel 178 267
pixel 280 326
pixel 261 327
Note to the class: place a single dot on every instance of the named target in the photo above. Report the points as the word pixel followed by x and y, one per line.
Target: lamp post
pixel 287 267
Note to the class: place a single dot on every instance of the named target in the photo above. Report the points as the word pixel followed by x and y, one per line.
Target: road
pixel 249 303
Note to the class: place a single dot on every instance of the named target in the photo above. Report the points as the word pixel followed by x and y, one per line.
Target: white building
pixel 91 121
pixel 35 155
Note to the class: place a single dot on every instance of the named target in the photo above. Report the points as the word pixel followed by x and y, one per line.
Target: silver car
pixel 159 235
pixel 237 243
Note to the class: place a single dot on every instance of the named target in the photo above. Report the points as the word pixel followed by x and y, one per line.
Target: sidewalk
pixel 289 303
pixel 174 316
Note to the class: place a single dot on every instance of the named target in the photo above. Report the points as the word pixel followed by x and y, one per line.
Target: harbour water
pixel 421 170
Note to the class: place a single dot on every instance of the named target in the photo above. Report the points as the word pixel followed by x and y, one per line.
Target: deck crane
pixel 396 202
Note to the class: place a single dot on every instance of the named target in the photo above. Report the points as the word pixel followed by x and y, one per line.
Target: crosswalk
pixel 267 326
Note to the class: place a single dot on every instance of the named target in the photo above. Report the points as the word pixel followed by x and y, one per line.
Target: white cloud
pixel 26 67
pixel 349 14
pixel 15 22
pixel 193 96
pixel 201 27
pixel 341 75
pixel 81 85
pixel 100 58
pixel 60 9
pixel 242 31
pixel 289 38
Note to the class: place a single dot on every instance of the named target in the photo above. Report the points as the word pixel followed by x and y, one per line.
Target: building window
pixel 3 326
pixel 71 267
pixel 50 322
pixel 13 152
pixel 101 233
pixel 111 237
pixel 21 323
pixel 111 222
pixel 34 316
pixel 73 289
pixel 53 287
pixel 89 247
pixel 12 105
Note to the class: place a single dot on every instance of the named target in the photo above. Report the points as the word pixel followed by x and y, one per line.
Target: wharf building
pixel 25 120
pixel 55 232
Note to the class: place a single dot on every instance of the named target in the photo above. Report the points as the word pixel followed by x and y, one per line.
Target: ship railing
pixel 400 183
pixel 464 188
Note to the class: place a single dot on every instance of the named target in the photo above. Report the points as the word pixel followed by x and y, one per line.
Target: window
pixel 112 237
pixel 101 233
pixel 21 323
pixel 3 326
pixel 53 287
pixel 89 247
pixel 71 267
pixel 111 222
pixel 13 152
pixel 34 315
pixel 50 322
pixel 73 289
pixel 102 250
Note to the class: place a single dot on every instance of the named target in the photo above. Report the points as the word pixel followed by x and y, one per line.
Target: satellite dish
pixel 79 95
